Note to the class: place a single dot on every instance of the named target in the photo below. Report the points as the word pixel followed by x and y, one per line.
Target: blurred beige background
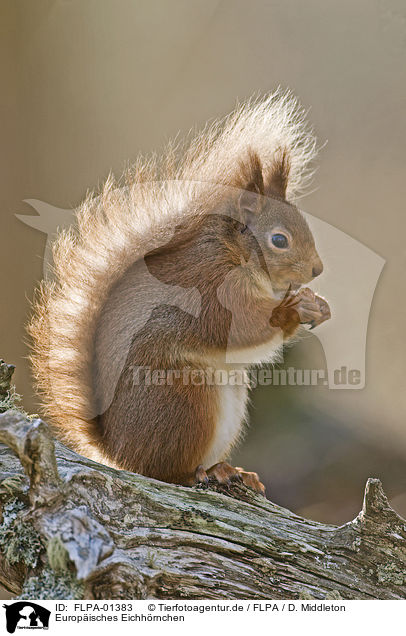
pixel 87 85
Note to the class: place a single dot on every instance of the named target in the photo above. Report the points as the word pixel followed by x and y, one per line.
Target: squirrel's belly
pixel 230 419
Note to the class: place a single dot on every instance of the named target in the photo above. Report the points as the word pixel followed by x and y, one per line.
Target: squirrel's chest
pixel 269 351
pixel 231 414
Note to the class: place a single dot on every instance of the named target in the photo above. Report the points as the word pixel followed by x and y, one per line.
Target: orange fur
pixel 128 219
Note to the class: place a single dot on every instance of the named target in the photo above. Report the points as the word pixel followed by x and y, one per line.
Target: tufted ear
pixel 276 181
pixel 251 182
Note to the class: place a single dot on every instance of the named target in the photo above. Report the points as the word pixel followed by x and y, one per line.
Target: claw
pixel 294 301
pixel 201 476
pixel 287 292
pixel 236 477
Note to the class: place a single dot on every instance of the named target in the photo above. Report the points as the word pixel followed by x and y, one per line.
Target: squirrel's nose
pixel 317 269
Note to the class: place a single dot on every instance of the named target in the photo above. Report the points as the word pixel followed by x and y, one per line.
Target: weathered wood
pixel 6 373
pixel 72 528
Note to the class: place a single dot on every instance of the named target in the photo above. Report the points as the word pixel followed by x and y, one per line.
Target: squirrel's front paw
pixel 312 309
pixel 324 310
pixel 304 307
pixel 307 307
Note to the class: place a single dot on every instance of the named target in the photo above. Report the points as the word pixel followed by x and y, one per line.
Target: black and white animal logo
pixel 26 615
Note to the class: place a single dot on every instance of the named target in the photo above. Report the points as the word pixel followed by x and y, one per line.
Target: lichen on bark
pixel 72 528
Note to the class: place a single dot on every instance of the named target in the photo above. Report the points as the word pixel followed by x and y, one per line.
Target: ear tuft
pixel 276 182
pixel 250 175
pixel 251 182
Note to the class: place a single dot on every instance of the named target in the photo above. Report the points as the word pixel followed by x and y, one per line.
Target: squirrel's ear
pixel 249 205
pixel 276 181
pixel 251 183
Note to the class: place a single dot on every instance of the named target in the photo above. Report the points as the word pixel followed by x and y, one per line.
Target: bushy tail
pixel 122 223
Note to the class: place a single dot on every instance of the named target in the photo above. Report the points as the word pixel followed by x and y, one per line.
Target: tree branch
pixel 72 528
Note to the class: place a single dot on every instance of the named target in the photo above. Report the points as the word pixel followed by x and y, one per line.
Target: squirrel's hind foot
pixel 252 481
pixel 225 474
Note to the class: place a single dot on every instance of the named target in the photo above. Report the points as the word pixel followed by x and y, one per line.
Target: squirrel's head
pixel 279 228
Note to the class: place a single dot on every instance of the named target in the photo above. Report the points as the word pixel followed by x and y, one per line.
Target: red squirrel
pixel 214 219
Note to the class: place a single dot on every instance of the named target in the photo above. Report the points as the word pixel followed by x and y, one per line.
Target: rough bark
pixel 72 528
pixel 6 373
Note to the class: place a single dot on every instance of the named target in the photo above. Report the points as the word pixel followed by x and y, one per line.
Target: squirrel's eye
pixel 279 240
